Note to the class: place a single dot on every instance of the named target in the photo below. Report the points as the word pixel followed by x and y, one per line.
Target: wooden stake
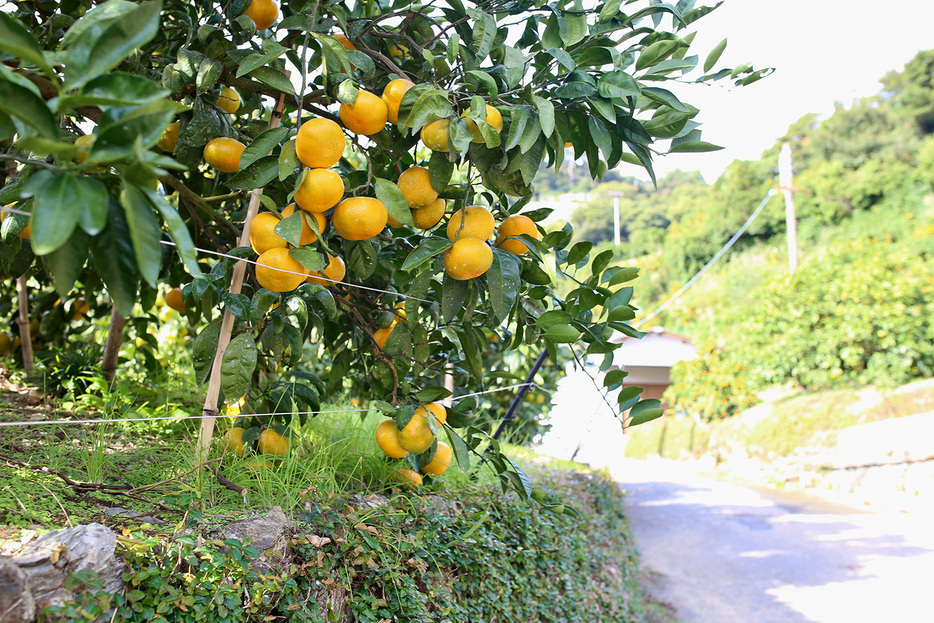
pixel 209 412
pixel 112 345
pixel 786 182
pixel 23 322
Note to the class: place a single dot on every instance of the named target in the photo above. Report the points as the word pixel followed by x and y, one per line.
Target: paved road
pixel 721 553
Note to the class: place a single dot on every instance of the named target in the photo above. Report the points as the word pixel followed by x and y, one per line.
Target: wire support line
pixel 712 261
pixel 291 272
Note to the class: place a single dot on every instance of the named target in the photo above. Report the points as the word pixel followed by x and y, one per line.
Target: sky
pixel 823 51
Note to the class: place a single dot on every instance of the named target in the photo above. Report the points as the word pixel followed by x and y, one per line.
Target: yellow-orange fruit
pixel 416 436
pixel 415 184
pixel 319 143
pixel 471 222
pixel 308 234
pixel 233 441
pixel 493 117
pixel 169 138
pixel 392 95
pixel 263 234
pixel 387 438
pixel 381 335
pixel 367 115
pixel 468 258
pixel 174 299
pixel 271 442
pixel 320 190
pixel 229 100
pixel 333 272
pixel 440 461
pixel 435 135
pixel 514 226
pixel 264 13
pixel 224 154
pixel 407 478
pixel 430 215
pixel 435 408
pixel 277 271
pixel 359 218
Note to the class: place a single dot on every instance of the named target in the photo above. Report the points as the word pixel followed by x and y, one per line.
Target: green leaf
pixel 579 251
pixel 562 57
pixel 693 147
pixel 144 231
pixel 238 365
pixel 360 258
pixel 666 124
pixel 274 78
pixel 628 397
pixel 657 52
pixel 614 378
pixel 347 92
pixel 18 101
pixel 453 295
pixel 117 140
pixel 484 32
pixel 618 85
pixel 714 55
pixel 290 228
pixel 256 175
pixel 645 411
pixel 664 96
pixel 113 258
pixel 55 216
pixel 546 115
pixel 553 316
pixel 562 333
pixel 209 72
pixel 237 304
pixel 461 451
pixel 116 89
pixel 124 35
pixel 288 161
pixel 203 350
pixel 91 200
pixel 306 256
pixel 16 40
pixel 391 196
pixel 484 80
pixel 609 10
pixel 624 274
pixel 519 118
pixel 178 232
pixel 440 170
pixel 420 107
pixel 427 249
pixel 622 313
pixel 503 281
pixel 66 262
pixel 432 393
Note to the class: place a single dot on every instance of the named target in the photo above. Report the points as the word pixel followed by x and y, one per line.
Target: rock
pixel 269 533
pixel 16 602
pixel 51 558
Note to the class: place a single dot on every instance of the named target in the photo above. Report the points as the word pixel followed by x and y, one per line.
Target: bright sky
pixel 823 51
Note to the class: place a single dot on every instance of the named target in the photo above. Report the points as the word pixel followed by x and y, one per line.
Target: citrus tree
pixel 378 157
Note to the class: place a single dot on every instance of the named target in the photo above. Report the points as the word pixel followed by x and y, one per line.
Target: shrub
pixel 710 387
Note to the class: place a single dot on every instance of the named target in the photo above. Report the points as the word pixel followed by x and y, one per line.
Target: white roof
pixel 656 349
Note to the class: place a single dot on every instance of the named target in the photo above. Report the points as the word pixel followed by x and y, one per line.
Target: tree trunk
pixel 112 345
pixel 23 322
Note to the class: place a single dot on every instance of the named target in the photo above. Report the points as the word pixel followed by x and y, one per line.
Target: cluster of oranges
pixel 416 437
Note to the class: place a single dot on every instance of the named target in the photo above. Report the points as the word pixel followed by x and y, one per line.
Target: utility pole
pixel 787 187
pixel 616 195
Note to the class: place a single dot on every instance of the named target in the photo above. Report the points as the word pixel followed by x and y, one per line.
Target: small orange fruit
pixel 319 143
pixel 173 298
pixel 415 184
pixel 224 154
pixel 408 478
pixel 84 146
pixel 435 135
pixel 430 215
pixel 277 271
pixel 441 460
pixel 468 258
pixel 229 100
pixel 387 438
pixel 169 138
pixel 471 222
pixel 344 41
pixel 264 13
pixel 493 117
pixel 416 436
pixel 380 336
pixel 308 234
pixel 332 274
pixel 263 234
pixel 271 442
pixel 436 408
pixel 233 441
pixel 367 115
pixel 514 226
pixel 320 190
pixel 392 95
pixel 359 218
pixel 80 309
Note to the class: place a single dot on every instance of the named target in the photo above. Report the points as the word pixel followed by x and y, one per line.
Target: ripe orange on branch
pixel 435 408
pixel 264 13
pixel 308 234
pixel 430 215
pixel 319 143
pixel 169 138
pixel 416 437
pixel 392 95
pixel 493 117
pixel 415 184
pixel 320 190
pixel 387 438
pixel 367 115
pixel 435 135
pixel 277 271
pixel 263 234
pixel 224 154
pixel 359 218
pixel 471 222
pixel 468 258
pixel 334 272
pixel 513 226
pixel 229 100
pixel 441 460
pixel 271 442
pixel 174 299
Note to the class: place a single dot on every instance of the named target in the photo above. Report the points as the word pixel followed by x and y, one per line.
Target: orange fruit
pixel 387 438
pixel 169 138
pixel 80 309
pixel 436 408
pixel 493 117
pixel 468 258
pixel 471 222
pixel 359 218
pixel 392 95
pixel 416 437
pixel 435 135
pixel 27 232
pixel 277 271
pixel 441 460
pixel 408 478
pixel 308 234
pixel 173 298
pixel 415 184
pixel 514 226
pixel 568 144
pixel 319 143
pixel 229 100
pixel 344 41
pixel 430 215
pixel 321 190
pixel 233 441
pixel 381 335
pixel 264 13
pixel 368 115
pixel 333 272
pixel 224 154
pixel 271 442
pixel 263 234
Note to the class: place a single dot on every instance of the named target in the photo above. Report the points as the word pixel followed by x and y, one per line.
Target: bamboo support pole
pixel 112 345
pixel 23 321
pixel 209 412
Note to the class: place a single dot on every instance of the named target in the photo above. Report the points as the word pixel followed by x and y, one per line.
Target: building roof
pixel 659 348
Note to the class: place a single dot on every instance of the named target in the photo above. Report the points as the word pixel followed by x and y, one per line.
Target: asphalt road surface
pixel 721 553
